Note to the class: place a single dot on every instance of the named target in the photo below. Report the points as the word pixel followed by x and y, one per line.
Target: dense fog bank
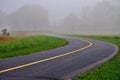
pixel 101 18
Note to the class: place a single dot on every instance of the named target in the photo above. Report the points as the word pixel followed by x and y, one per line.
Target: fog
pixel 61 16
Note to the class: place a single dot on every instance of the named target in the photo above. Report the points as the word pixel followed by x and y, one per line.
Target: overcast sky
pixel 57 8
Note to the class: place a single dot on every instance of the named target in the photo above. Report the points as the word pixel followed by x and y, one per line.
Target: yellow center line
pixel 47 59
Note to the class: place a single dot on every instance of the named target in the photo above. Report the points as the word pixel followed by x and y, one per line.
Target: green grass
pixel 109 70
pixel 30 44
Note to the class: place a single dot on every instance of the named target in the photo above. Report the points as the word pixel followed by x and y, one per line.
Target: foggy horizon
pixel 68 16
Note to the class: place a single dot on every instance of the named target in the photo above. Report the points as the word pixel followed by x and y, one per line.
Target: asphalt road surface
pixel 64 63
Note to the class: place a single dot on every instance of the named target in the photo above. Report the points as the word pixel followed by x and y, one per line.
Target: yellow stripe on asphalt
pixel 47 59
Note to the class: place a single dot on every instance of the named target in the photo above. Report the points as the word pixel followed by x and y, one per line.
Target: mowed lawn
pixel 109 70
pixel 16 46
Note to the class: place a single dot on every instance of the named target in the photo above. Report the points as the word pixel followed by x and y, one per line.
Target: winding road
pixel 64 63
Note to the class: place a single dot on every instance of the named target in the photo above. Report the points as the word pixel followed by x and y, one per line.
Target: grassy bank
pixel 109 70
pixel 26 45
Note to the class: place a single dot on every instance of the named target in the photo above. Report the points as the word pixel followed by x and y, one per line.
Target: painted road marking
pixel 47 59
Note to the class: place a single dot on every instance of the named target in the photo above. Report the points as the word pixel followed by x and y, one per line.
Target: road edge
pixel 47 59
pixel 73 75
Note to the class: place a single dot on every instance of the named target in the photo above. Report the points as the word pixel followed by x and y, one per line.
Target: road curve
pixel 64 63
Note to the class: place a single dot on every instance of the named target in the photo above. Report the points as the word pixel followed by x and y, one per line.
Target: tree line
pixel 27 18
pixel 104 17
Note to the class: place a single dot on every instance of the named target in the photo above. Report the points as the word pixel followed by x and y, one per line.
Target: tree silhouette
pixel 31 17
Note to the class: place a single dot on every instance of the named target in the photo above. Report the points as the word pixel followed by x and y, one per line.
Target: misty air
pixel 59 39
